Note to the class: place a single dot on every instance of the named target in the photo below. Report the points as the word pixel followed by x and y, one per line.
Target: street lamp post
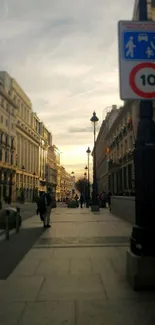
pixel 87 188
pixel 95 206
pixel 141 256
pixel 73 184
pixel 88 152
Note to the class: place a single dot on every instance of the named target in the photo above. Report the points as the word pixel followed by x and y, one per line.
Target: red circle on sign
pixel 133 83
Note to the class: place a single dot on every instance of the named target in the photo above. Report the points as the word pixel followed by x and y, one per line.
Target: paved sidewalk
pixel 75 275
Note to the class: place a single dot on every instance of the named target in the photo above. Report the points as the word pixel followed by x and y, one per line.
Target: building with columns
pixel 58 172
pixel 8 110
pixel 45 142
pixel 51 170
pixel 28 142
pixel 101 161
pixel 29 163
pixel 27 139
pixel 65 183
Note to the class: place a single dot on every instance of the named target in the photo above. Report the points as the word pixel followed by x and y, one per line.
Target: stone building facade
pixel 51 170
pixel 115 167
pixel 101 145
pixel 8 111
pixel 29 163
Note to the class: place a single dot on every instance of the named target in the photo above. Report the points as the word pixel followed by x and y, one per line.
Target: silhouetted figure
pixel 109 200
pixel 81 200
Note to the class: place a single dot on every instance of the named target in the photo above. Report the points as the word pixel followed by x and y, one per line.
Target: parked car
pixel 12 217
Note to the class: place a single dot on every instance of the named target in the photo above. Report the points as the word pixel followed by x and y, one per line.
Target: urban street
pixel 77 162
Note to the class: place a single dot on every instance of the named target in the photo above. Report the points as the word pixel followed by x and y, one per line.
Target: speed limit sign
pixel 142 80
pixel 137 60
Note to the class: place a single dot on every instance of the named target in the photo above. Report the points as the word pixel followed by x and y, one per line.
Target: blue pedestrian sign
pixel 137 59
pixel 139 45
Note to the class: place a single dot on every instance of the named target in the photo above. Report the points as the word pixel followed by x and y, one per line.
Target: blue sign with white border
pixel 138 46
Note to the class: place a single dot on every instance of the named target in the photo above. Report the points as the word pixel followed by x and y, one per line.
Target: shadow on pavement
pixel 14 250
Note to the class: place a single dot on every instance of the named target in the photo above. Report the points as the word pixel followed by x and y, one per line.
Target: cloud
pixel 64 54
pixel 87 129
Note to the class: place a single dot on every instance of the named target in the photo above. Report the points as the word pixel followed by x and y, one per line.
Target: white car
pixel 142 37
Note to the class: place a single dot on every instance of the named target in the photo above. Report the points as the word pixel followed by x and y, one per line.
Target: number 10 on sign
pixel 148 80
pixel 142 80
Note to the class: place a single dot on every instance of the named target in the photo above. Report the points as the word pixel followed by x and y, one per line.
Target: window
pixel 12 126
pixel 6 122
pixel 124 177
pixel 6 156
pixel 7 107
pixel 126 145
pixel 12 159
pixel 2 102
pixel 0 154
pixel 130 176
pixel 6 140
pixel 12 142
pixel 1 118
pixel 131 142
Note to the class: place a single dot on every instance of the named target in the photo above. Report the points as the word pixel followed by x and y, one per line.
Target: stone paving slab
pixel 53 266
pixel 103 229
pixel 21 289
pixel 54 313
pixel 72 287
pixel 26 268
pixel 81 266
pixel 10 313
pixel 93 252
pixel 13 251
pixel 115 313
pixel 95 240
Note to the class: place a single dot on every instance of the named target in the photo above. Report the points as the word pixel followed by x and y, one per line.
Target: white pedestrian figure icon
pixel 130 47
pixel 149 52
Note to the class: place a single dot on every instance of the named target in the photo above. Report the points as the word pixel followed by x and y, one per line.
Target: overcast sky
pixel 63 53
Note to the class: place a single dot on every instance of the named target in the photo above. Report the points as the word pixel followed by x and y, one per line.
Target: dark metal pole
pixel 143 233
pixel 94 194
pixel 88 179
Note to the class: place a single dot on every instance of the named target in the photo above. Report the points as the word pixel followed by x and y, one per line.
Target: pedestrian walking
pixel 48 207
pixel 109 200
pixel 41 206
pixel 103 199
pixel 44 205
pixel 81 200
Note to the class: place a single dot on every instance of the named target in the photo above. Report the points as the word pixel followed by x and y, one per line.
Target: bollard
pixel 7 225
pixel 17 219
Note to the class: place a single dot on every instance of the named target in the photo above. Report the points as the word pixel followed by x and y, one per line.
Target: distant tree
pixel 82 185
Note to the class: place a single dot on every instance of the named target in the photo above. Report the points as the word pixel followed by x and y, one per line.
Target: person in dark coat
pixel 41 207
pixel 81 200
pixel 109 200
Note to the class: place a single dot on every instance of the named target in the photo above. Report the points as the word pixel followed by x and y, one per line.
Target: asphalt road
pixel 27 210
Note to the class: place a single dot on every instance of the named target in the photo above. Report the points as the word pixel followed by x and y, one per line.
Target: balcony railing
pixel 123 132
